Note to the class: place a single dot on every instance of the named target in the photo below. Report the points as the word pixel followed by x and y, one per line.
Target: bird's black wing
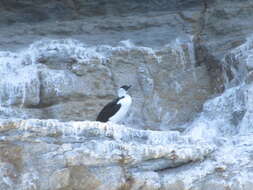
pixel 109 110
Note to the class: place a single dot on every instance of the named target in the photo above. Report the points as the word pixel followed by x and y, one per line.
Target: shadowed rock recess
pixel 190 64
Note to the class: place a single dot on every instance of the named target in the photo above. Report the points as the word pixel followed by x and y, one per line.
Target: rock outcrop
pixel 52 155
pixel 66 80
pixel 37 154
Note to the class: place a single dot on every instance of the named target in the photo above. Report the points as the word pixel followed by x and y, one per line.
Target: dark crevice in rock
pixel 127 184
pixel 178 165
pixel 213 65
pixel 127 177
pixel 237 117
pixel 40 93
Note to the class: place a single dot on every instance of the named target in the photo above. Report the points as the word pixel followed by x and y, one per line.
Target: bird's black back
pixel 109 110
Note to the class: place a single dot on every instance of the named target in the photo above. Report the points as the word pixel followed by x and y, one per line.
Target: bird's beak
pixel 129 87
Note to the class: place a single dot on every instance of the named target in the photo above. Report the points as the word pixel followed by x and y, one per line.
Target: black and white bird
pixel 117 109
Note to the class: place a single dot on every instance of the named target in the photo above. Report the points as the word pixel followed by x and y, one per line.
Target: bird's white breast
pixel 125 105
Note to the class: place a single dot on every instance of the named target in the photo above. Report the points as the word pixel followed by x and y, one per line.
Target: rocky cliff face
pixel 66 80
pixel 189 62
pixel 38 10
pixel 89 155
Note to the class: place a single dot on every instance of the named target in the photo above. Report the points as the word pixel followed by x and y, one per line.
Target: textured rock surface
pixel 38 10
pixel 66 80
pixel 190 63
pixel 47 154
pixel 89 155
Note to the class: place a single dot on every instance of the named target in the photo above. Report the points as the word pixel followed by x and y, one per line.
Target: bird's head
pixel 123 90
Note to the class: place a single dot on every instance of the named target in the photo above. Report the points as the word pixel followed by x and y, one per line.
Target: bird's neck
pixel 124 96
pixel 122 93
